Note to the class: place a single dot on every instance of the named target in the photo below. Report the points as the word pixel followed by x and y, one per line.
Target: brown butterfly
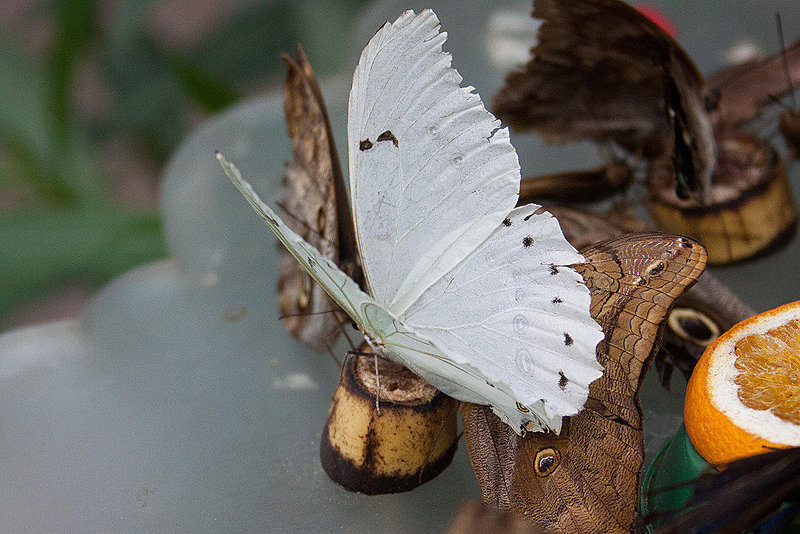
pixel 700 314
pixel 603 71
pixel 314 197
pixel 738 94
pixel 587 478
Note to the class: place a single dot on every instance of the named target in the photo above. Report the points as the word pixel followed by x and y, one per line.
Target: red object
pixel 658 18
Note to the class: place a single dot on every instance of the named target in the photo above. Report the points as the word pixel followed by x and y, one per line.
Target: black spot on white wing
pixel 366 144
pixel 506 222
pixel 568 341
pixel 557 300
pixel 553 270
pixel 388 136
pixel 562 380
pixel 527 241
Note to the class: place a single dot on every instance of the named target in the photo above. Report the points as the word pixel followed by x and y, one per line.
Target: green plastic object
pixel 663 489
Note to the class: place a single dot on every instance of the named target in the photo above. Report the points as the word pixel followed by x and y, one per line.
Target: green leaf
pixel 62 171
pixel 44 250
pixel 210 94
pixel 76 29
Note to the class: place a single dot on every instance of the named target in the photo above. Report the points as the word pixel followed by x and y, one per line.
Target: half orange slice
pixel 744 395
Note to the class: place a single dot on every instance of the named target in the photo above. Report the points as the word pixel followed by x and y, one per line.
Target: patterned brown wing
pixel 315 201
pixel 597 72
pixel 603 71
pixel 740 93
pixel 700 314
pixel 587 478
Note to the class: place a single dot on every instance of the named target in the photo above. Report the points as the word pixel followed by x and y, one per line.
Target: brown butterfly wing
pixel 313 185
pixel 587 478
pixel 603 71
pixel 700 314
pixel 597 72
pixel 740 93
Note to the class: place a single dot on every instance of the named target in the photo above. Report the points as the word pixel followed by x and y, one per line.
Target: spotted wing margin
pixel 516 311
pixel 432 174
pixel 404 345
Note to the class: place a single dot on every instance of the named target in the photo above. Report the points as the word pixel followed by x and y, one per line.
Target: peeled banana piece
pixel 409 442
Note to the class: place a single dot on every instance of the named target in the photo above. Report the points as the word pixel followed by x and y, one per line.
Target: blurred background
pixel 94 97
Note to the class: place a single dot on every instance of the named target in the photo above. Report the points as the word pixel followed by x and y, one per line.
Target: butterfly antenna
pixel 333 355
pixel 785 59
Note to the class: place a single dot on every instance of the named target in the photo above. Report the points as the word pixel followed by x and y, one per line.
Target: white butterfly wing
pixel 340 287
pixel 406 347
pixel 515 311
pixel 431 173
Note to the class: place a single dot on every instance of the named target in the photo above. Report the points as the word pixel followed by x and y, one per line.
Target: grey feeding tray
pixel 178 403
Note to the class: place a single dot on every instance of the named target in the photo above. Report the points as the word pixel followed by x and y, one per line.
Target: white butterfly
pixel 468 292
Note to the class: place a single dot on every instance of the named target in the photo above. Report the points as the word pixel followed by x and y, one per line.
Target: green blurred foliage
pixel 69 228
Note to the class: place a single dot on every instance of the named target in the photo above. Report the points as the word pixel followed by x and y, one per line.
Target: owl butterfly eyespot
pixel 587 478
pixel 313 189
pixel 602 71
pixel 546 461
